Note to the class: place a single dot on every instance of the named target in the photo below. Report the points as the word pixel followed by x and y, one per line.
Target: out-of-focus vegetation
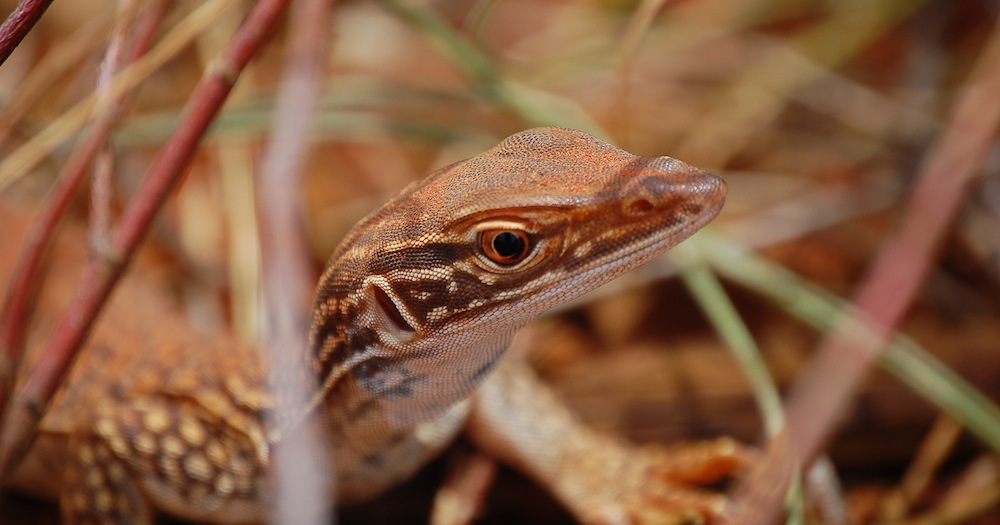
pixel 820 114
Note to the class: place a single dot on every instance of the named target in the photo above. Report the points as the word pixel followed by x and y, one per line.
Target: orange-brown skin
pixel 412 315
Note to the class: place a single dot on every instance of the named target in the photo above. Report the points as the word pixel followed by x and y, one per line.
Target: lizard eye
pixel 505 247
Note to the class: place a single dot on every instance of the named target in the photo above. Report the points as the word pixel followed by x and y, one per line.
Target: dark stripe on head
pixel 419 257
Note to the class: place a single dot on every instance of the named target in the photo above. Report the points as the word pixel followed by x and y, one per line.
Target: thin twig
pixel 23 159
pixel 934 450
pixel 302 486
pixel 824 389
pixel 637 28
pixel 25 277
pixel 100 275
pixel 100 193
pixel 16 26
pixel 67 55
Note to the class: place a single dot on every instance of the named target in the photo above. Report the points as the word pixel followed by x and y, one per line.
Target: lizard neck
pixel 388 401
pixel 370 365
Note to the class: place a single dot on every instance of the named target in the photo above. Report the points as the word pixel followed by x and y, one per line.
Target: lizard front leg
pixel 601 479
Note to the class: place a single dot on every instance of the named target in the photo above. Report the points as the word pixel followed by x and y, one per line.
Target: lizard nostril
pixel 638 207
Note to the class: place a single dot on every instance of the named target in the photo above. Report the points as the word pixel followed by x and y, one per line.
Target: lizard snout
pixel 659 193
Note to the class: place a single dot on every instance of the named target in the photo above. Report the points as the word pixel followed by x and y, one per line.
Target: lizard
pixel 412 317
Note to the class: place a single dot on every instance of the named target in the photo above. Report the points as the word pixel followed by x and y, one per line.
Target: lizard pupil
pixel 505 247
pixel 508 245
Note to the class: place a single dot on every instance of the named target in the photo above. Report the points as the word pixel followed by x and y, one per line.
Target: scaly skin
pixel 413 313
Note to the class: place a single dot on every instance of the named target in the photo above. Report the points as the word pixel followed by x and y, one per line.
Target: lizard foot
pixel 658 485
pixel 597 476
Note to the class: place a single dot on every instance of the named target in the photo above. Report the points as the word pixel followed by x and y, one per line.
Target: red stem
pixel 101 275
pixel 26 277
pixel 21 20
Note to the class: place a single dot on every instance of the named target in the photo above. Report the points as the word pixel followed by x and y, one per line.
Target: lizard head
pixel 445 273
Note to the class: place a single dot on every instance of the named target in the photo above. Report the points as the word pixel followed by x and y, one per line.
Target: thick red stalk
pixel 26 278
pixel 101 274
pixel 18 23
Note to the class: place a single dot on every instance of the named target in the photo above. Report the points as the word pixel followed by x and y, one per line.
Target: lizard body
pixel 413 312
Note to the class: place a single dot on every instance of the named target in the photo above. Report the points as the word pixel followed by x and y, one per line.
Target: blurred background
pixel 821 115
